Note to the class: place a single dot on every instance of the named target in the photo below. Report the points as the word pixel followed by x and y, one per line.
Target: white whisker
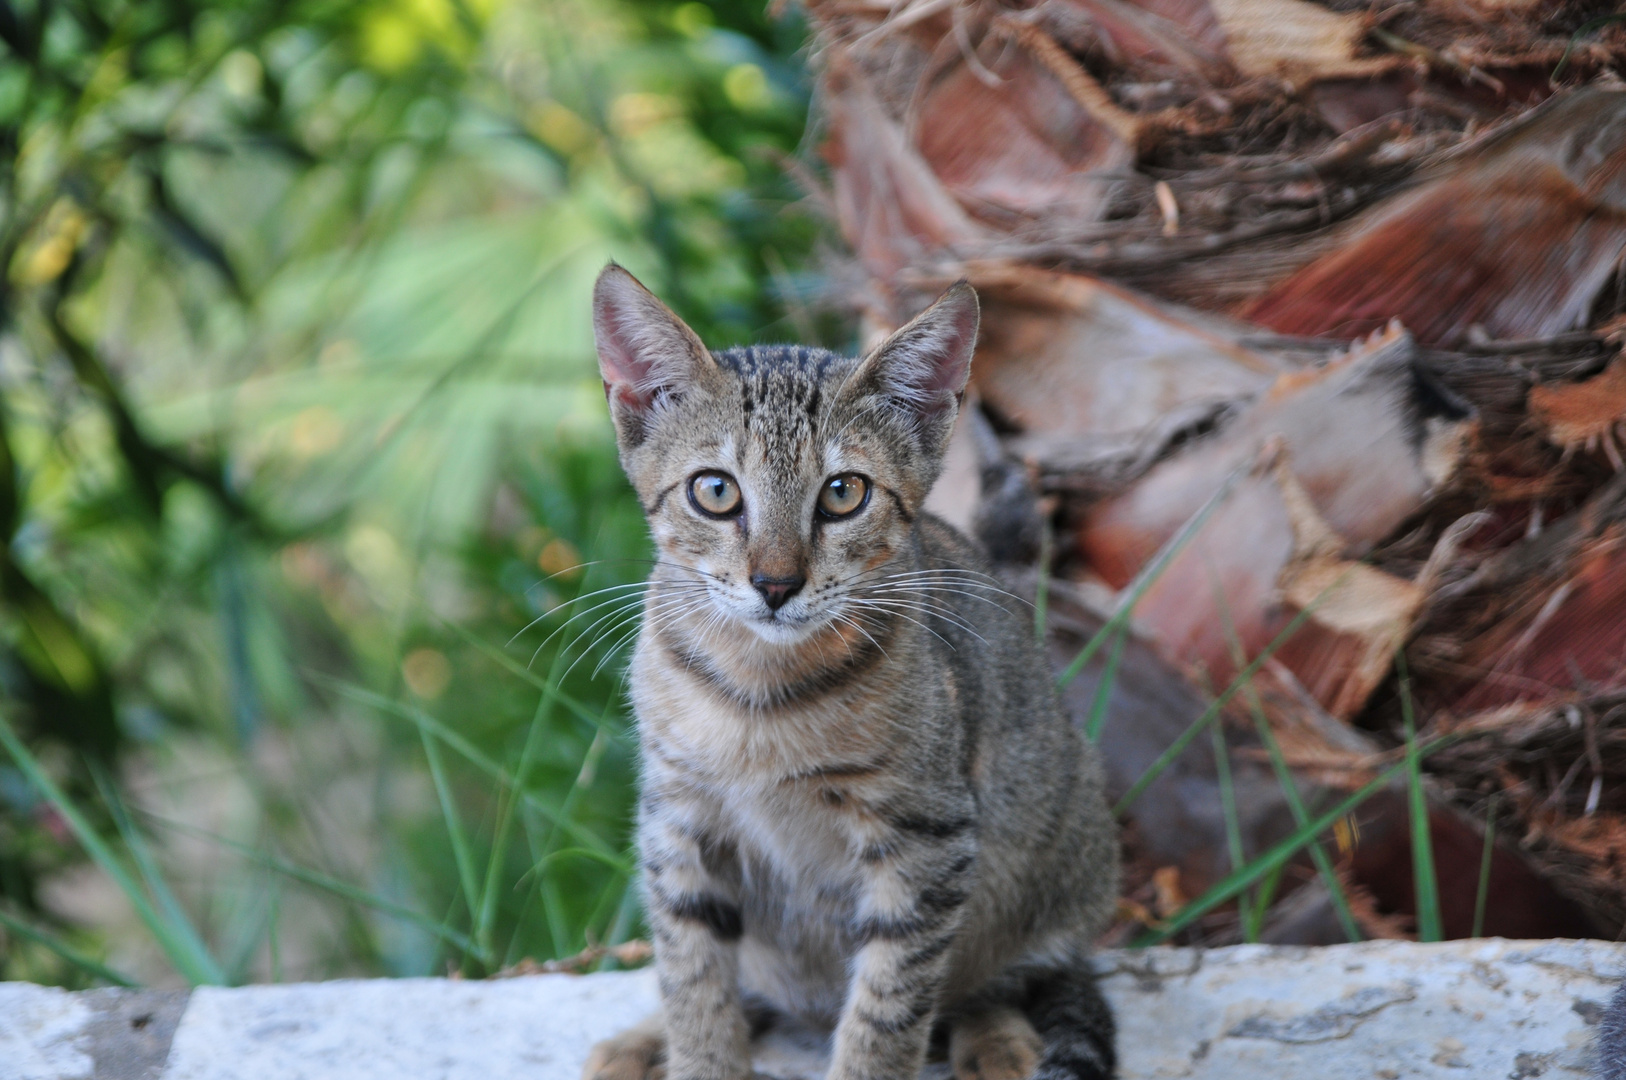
pixel 903 615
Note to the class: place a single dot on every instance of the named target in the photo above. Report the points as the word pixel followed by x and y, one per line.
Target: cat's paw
pixel 998 1044
pixel 639 1053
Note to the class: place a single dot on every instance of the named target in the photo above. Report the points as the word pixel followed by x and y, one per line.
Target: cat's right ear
pixel 646 354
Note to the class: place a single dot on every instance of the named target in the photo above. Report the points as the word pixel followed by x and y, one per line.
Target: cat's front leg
pixel 694 916
pixel 918 882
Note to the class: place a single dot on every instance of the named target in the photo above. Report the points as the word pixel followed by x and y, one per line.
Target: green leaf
pixel 1271 860
pixel 64 950
pixel 196 966
pixel 326 883
pixel 475 756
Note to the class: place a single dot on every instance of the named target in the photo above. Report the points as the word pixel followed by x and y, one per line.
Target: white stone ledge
pixel 1376 1011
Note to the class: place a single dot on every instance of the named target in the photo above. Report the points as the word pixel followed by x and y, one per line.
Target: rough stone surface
pixel 50 1034
pixel 41 1033
pixel 131 1031
pixel 1376 1011
pixel 531 1028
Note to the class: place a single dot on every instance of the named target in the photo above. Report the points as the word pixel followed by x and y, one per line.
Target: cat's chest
pixel 688 722
pixel 800 852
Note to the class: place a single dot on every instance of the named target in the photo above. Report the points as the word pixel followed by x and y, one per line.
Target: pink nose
pixel 777 590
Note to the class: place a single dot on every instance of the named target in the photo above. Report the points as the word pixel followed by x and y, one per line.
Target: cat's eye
pixel 715 494
pixel 843 495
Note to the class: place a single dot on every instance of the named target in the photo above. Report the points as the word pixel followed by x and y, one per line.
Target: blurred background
pixel 1297 416
pixel 303 440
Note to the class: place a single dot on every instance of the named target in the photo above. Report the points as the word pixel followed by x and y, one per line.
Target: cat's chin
pixel 781 631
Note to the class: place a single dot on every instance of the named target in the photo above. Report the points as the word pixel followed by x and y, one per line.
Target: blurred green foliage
pixel 302 451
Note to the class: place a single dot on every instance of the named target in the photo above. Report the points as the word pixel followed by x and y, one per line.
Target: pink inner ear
pixel 643 348
pixel 929 361
pixel 957 343
pixel 615 332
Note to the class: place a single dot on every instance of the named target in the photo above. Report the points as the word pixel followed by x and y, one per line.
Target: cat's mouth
pixel 783 626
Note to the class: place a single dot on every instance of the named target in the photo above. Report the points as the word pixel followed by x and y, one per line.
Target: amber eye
pixel 715 494
pixel 843 495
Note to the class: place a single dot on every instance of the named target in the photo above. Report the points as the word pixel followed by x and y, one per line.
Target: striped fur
pixel 1610 1049
pixel 864 807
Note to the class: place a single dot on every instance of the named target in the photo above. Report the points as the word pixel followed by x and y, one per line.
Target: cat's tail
pixel 1066 1008
pixel 1611 1047
pixel 1052 996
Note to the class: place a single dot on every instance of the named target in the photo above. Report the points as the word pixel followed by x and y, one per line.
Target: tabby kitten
pixel 862 805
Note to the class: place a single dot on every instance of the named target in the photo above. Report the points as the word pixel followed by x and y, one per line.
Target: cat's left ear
pixel 646 354
pixel 923 367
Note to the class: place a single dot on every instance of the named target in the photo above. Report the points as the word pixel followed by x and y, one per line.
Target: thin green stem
pixel 454 822
pixel 477 757
pixel 328 884
pixel 1041 594
pixel 1179 745
pixel 1482 893
pixel 1422 845
pixel 1233 827
pixel 1284 777
pixel 147 866
pixel 1147 576
pixel 197 968
pixel 1262 865
pixel 1103 691
pixel 64 950
pixel 1263 897
pixel 540 716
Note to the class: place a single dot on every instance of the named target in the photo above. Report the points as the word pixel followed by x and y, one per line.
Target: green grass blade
pixel 548 686
pixel 242 939
pixel 342 889
pixel 1278 855
pixel 553 916
pixel 589 765
pixel 627 915
pixel 543 712
pixel 1179 745
pixel 485 916
pixel 1318 854
pixel 1041 592
pixel 1482 893
pixel 604 911
pixel 64 950
pixel 454 822
pixel 180 924
pixel 457 742
pixel 1284 776
pixel 1422 842
pixel 273 933
pixel 1233 827
pixel 197 970
pixel 1263 897
pixel 1103 692
pixel 576 853
pixel 545 855
pixel 1147 576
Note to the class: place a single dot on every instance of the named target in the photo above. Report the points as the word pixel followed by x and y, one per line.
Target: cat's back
pixel 1026 753
pixel 1048 858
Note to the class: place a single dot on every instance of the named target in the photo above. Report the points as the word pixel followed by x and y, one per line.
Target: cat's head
pixel 784 477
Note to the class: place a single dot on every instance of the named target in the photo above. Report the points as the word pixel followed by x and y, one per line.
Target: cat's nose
pixel 776 590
